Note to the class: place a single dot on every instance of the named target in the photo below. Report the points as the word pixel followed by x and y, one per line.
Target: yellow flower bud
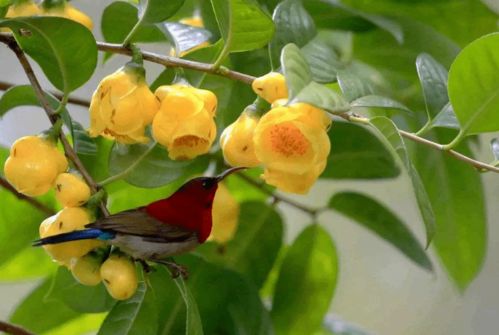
pixel 184 123
pixel 23 8
pixel 225 214
pixel 271 86
pixel 67 220
pixel 119 276
pixel 67 11
pixel 237 144
pixel 86 270
pixel 293 145
pixel 122 107
pixel 33 165
pixel 71 190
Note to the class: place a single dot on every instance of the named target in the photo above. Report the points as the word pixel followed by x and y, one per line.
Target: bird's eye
pixel 205 184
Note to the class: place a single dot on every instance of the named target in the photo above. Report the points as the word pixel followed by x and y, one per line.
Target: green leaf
pixel 446 118
pixel 82 325
pixel 193 324
pixel 383 222
pixel 137 315
pixel 292 25
pixel 259 224
pixel 349 160
pixel 394 142
pixel 494 145
pixel 80 298
pixel 306 282
pixel 148 165
pixel 185 37
pixel 456 194
pixel 119 18
pixel 27 264
pixel 474 86
pixel 353 86
pixel 377 101
pixel 30 315
pixel 243 25
pixel 154 11
pixel 301 88
pixel 433 78
pixel 67 62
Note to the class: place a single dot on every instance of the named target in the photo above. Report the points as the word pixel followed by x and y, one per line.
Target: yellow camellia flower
pixel 271 87
pixel 119 276
pixel 293 145
pixel 71 190
pixel 86 269
pixel 33 165
pixel 236 141
pixel 185 122
pixel 23 8
pixel 225 214
pixel 66 10
pixel 67 220
pixel 122 106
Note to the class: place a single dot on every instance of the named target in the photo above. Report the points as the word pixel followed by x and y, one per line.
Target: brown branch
pixel 53 117
pixel 4 86
pixel 13 329
pixel 33 202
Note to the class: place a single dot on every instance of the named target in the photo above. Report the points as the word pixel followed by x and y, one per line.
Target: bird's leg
pixel 174 268
pixel 145 266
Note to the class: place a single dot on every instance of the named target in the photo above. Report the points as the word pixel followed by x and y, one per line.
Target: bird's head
pixel 207 186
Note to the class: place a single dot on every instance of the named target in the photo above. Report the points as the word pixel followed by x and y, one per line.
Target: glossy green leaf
pixel 433 79
pixel 446 118
pixel 301 88
pixel 119 18
pixel 358 154
pixel 322 57
pixel 389 132
pixel 243 25
pixel 83 325
pixel 377 101
pixel 29 263
pixel 306 282
pixel 154 11
pixel 494 145
pixel 148 165
pixel 137 315
pixel 30 315
pixel 456 193
pixel 193 324
pixel 67 62
pixel 185 37
pixel 292 25
pixel 353 86
pixel 383 222
pixel 80 298
pixel 474 86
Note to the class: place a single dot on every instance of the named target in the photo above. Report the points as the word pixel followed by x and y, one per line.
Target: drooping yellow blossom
pixel 23 8
pixel 236 141
pixel 66 10
pixel 271 87
pixel 71 190
pixel 67 220
pixel 119 276
pixel 33 165
pixel 225 214
pixel 86 269
pixel 292 144
pixel 184 123
pixel 122 106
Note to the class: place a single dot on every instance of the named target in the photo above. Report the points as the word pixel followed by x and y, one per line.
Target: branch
pixel 13 329
pixel 53 117
pixel 35 203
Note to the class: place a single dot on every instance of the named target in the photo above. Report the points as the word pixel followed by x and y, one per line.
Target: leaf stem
pixel 10 328
pixel 132 32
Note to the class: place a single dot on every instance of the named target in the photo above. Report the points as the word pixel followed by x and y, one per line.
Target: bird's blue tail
pixel 86 234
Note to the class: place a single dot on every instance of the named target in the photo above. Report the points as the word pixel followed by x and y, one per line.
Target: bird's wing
pixel 137 222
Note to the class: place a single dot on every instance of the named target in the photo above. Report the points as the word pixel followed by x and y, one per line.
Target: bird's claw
pixel 175 269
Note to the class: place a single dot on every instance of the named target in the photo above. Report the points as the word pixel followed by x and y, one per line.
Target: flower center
pixel 288 140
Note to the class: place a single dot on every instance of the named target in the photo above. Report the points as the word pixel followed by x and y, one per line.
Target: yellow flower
pixel 67 11
pixel 236 141
pixel 293 145
pixel 67 220
pixel 184 123
pixel 71 190
pixel 271 86
pixel 225 214
pixel 33 165
pixel 122 106
pixel 86 270
pixel 23 8
pixel 119 276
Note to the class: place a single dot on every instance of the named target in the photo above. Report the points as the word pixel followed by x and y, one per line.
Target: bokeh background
pixel 378 288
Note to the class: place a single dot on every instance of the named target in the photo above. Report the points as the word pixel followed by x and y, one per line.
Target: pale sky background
pixel 378 288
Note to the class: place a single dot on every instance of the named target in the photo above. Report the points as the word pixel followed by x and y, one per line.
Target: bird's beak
pixel 227 172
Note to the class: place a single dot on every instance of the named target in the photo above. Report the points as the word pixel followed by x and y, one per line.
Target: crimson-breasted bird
pixel 164 228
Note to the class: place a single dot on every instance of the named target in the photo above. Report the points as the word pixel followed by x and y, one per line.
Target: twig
pixel 35 203
pixel 4 86
pixel 53 117
pixel 13 329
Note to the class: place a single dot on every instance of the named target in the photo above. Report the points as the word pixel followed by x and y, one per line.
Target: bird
pixel 155 232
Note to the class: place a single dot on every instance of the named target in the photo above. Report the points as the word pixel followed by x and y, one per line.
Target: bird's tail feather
pixel 85 234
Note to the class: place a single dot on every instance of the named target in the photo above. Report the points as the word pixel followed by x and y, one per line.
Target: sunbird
pixel 159 230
